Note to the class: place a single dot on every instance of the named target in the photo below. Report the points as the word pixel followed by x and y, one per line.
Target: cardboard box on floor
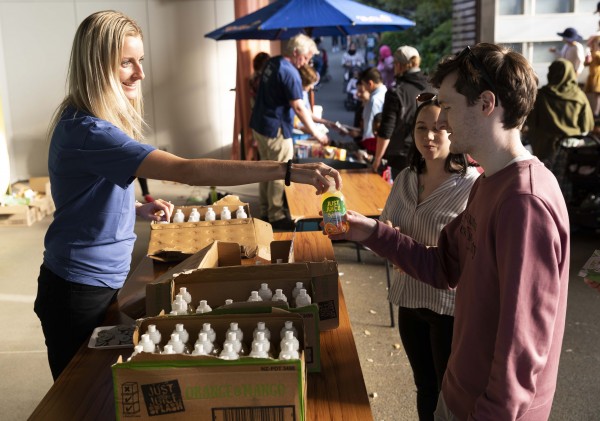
pixel 176 242
pixel 43 201
pixel 16 214
pixel 40 184
pixel 216 273
pixel 19 215
pixel 191 387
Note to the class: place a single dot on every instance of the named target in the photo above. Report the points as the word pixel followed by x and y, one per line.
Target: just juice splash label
pixel 334 213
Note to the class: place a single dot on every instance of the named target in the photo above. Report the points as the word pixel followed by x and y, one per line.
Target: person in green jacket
pixel 561 110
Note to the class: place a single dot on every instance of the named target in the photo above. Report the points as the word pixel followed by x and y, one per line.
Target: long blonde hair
pixel 93 78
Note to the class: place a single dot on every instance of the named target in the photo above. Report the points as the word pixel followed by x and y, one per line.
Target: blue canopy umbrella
pixel 285 18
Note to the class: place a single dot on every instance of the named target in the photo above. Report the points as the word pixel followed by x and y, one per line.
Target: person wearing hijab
pixel 561 109
pixel 386 66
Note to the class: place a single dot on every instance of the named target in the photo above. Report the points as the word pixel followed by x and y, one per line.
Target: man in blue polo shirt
pixel 279 97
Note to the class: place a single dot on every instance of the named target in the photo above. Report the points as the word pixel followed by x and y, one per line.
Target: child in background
pixel 310 78
pixel 370 144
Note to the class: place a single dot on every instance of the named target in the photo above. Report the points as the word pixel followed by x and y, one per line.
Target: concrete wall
pixel 188 102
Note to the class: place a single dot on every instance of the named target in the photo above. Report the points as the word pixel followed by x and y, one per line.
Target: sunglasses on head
pixel 426 96
pixel 475 62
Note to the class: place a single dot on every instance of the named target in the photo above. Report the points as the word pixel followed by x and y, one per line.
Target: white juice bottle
pixel 225 213
pixel 210 215
pixel 241 213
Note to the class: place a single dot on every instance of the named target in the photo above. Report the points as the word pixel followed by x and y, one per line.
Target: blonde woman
pixel 94 157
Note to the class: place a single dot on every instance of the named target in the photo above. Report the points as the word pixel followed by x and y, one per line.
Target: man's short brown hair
pixel 371 74
pixel 495 68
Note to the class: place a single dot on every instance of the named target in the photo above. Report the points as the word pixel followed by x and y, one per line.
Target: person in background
pixel 507 254
pixel 145 191
pixel 351 60
pixel 370 144
pixel 425 197
pixel 351 86
pixel 321 62
pixel 572 49
pixel 363 96
pixel 386 66
pixel 371 81
pixel 399 110
pixel 258 64
pixel 310 78
pixel 95 154
pixel 280 93
pixel 561 109
pixel 592 83
pixel 335 41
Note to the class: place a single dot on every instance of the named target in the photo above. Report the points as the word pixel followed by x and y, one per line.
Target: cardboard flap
pixel 174 242
pixel 252 307
pixel 325 268
pixel 280 249
pixel 228 254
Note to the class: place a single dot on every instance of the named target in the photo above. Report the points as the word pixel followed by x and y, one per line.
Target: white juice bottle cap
pixel 254 297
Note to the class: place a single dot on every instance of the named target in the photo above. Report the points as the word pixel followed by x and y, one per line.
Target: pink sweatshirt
pixel 508 255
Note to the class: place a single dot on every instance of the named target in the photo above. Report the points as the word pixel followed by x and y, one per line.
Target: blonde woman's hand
pixel 315 175
pixel 159 210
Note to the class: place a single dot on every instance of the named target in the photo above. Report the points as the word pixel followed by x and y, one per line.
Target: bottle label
pixel 334 216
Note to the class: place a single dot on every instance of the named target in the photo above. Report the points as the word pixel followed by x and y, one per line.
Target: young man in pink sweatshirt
pixel 507 254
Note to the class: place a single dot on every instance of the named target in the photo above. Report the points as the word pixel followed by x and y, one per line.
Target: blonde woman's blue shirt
pixel 91 164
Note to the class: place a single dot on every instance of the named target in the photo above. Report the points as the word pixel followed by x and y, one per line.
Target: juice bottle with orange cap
pixel 334 210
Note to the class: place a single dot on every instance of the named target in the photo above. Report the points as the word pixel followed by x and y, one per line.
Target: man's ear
pixel 488 102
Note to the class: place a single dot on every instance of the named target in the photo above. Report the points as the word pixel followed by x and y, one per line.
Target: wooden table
pixel 365 192
pixel 85 389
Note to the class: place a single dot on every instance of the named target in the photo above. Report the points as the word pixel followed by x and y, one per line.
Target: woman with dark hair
pixel 258 64
pixel 427 195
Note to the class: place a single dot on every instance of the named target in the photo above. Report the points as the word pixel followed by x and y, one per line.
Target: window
pixel 510 7
pixel 553 6
pixel 541 51
pixel 515 46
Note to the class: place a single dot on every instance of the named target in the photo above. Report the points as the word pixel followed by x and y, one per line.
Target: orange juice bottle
pixel 334 211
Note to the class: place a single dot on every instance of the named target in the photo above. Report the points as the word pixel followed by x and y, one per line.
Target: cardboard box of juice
pixel 175 387
pixel 217 273
pixel 175 242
